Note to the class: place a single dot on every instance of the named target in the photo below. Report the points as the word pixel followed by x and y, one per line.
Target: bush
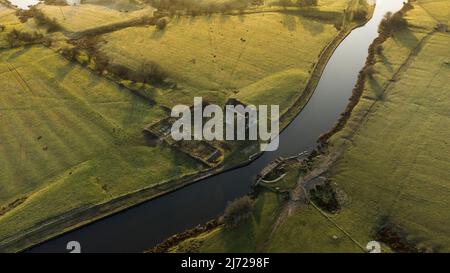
pixel 393 22
pixel 2 28
pixel 161 23
pixel 87 43
pixel 325 197
pixel 237 211
pixel 369 71
pixel 151 72
pixel 24 15
pixel 360 14
pixel 101 62
pixel 17 38
pixel 47 42
pixel 379 49
pixel 68 53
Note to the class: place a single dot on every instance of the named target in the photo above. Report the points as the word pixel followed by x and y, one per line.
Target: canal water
pixel 144 226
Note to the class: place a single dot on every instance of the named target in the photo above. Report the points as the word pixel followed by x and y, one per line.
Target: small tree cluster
pixel 148 72
pixel 2 28
pixel 17 38
pixel 325 197
pixel 237 211
pixel 393 22
pixel 151 72
pixel 360 14
pixel 161 23
pixel 379 49
pixel 369 71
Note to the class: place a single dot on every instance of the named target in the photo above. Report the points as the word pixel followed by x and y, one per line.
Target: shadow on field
pixel 289 22
pixel 407 39
pixel 377 88
pixel 62 72
pixel 158 34
pixel 19 52
pixel 223 18
pixel 313 27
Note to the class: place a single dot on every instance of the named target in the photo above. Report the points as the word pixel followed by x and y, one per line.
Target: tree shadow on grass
pixel 386 62
pixel 289 22
pixel 62 72
pixel 406 39
pixel 313 27
pixel 376 88
pixel 240 239
pixel 158 34
pixel 241 17
pixel 19 53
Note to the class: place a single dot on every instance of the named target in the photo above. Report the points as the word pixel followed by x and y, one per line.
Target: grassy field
pixel 220 55
pixel 88 16
pixel 394 154
pixel 62 129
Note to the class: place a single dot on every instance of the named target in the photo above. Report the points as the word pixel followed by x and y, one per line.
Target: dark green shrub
pixel 325 197
pixel 17 38
pixel 393 22
pixel 161 23
pixel 360 14
pixel 237 211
